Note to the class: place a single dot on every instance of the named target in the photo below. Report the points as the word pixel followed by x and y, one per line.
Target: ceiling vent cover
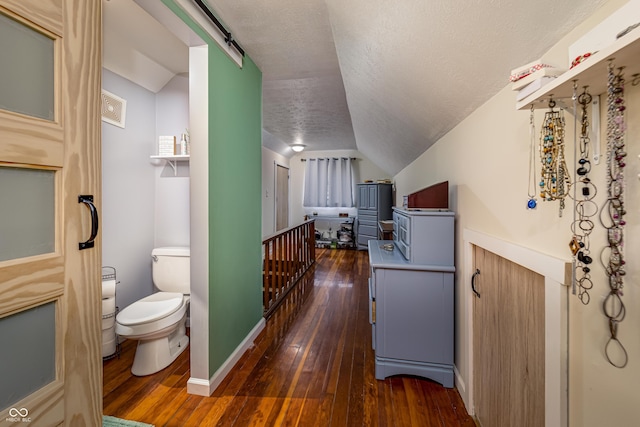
pixel 113 109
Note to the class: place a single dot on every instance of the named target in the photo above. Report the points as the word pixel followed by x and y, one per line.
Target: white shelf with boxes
pixel 172 151
pixel 173 160
pixel 592 72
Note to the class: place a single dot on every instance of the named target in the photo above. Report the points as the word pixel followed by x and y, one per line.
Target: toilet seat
pixel 151 308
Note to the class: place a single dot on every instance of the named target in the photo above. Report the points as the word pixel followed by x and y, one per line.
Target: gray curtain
pixel 328 182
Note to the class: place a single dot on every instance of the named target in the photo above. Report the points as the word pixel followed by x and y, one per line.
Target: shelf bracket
pixel 174 166
pixel 560 103
pixel 172 161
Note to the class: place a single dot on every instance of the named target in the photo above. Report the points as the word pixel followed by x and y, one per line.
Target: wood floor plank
pixel 339 415
pixel 208 412
pixel 312 365
pixel 458 408
pixel 370 384
pixel 317 402
pixel 385 406
pixel 173 416
pixel 423 410
pixel 161 401
pixel 357 389
pixel 401 409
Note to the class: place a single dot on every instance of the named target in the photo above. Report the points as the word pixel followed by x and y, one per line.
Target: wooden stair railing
pixel 288 254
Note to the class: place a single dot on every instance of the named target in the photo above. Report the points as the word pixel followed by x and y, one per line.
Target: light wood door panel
pixel 508 343
pixel 68 144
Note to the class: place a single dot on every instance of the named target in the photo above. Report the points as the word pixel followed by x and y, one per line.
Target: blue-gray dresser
pixel 411 307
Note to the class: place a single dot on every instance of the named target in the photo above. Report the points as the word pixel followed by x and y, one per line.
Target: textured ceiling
pixel 291 42
pixel 388 78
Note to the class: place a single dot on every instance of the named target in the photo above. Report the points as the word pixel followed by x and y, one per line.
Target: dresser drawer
pixel 367 223
pixel 368 230
pixel 367 215
pixel 363 240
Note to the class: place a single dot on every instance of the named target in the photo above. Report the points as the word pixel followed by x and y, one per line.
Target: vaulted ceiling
pixel 386 78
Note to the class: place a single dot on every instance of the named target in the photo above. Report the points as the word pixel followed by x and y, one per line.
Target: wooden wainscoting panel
pixel 509 349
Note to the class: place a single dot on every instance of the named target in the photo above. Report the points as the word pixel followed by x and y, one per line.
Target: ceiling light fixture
pixel 297 147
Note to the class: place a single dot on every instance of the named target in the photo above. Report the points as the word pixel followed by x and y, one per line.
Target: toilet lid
pixel 153 307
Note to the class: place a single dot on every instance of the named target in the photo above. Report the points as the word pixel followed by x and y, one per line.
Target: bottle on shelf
pixel 184 145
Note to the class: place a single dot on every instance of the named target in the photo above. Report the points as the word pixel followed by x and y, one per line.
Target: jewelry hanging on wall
pixel 612 215
pixel 584 205
pixel 532 203
pixel 555 179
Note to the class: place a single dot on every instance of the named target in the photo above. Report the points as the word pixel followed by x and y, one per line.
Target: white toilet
pixel 159 320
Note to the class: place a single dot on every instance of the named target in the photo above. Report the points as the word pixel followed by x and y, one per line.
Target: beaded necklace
pixel 532 203
pixel 612 214
pixel 555 180
pixel 585 207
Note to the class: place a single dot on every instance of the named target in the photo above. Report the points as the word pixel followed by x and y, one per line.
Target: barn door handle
pixel 473 283
pixel 88 200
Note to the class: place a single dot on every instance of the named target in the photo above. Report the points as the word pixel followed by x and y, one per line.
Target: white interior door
pixel 51 365
pixel 282 197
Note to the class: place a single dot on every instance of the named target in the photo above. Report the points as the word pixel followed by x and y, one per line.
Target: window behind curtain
pixel 328 183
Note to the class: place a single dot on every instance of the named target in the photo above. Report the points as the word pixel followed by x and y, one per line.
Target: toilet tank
pixel 171 269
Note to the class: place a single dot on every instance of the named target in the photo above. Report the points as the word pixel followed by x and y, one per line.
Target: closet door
pixel 282 197
pixel 508 343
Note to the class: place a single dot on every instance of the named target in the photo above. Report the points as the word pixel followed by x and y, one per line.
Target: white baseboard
pixel 204 387
pixel 198 387
pixel 460 384
pixel 462 389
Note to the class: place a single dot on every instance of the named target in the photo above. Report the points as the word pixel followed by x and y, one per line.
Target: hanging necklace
pixel 585 207
pixel 612 214
pixel 531 187
pixel 555 180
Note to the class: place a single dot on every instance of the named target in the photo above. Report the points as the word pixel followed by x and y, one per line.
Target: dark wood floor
pixel 311 366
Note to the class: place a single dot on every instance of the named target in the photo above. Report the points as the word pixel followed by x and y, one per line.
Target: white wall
pixel 199 191
pixel 128 191
pixel 144 205
pixel 485 159
pixel 172 190
pixel 269 161
pixel 363 169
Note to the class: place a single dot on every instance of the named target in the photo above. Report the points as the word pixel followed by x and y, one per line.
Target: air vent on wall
pixel 113 109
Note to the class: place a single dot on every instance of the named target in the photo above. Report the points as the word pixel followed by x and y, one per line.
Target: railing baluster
pixel 294 255
pixel 274 270
pixel 287 256
pixel 265 277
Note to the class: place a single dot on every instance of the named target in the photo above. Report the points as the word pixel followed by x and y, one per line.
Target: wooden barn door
pixel 508 343
pixel 50 358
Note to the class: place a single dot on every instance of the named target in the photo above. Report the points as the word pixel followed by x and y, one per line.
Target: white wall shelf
pixel 624 52
pixel 173 160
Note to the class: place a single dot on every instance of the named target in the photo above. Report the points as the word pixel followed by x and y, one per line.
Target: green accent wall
pixel 235 186
pixel 235 213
